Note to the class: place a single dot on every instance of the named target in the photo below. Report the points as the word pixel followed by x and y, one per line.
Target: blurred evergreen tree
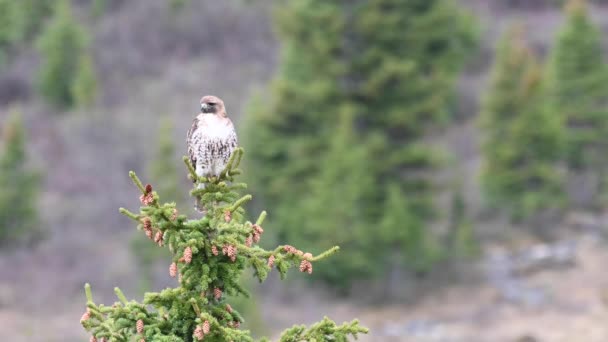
pixel 7 22
pixel 65 67
pixel 84 87
pixel 577 88
pixel 19 22
pixel 18 187
pixel 30 16
pixel 334 208
pixel 8 34
pixel 393 63
pixel 523 140
pixel 98 8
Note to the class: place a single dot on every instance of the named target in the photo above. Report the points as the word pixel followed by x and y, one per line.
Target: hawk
pixel 211 140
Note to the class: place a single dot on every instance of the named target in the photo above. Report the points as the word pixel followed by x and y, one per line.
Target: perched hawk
pixel 211 139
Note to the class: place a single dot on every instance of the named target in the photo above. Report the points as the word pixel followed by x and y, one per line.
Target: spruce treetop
pixel 209 255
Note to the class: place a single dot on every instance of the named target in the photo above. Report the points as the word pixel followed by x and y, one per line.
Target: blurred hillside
pixel 153 59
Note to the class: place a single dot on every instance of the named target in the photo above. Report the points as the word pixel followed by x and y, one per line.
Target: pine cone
pixel 188 255
pixel 249 241
pixel 146 199
pixel 198 333
pixel 214 250
pixel 258 229
pixel 228 308
pixel 92 339
pixel 174 214
pixel 85 316
pixel 306 266
pixel 139 326
pixel 271 261
pixel 230 251
pixel 290 249
pixel 307 256
pixel 217 293
pixel 173 270
pixel 257 233
pixel 206 327
pixel 158 238
pixel 227 216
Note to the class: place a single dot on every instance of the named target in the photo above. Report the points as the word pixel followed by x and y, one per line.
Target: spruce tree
pixel 30 16
pixel 523 140
pixel 337 216
pixel 7 23
pixel 209 256
pixel 393 62
pixel 18 186
pixel 577 88
pixel 65 76
pixel 84 86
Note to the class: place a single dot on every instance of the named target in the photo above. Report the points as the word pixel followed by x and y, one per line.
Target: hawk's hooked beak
pixel 205 107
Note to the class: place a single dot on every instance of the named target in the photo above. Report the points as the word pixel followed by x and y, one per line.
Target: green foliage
pixel 523 140
pixel 462 241
pixel 66 76
pixel 334 212
pixel 393 65
pixel 19 187
pixel 8 34
pixel 21 20
pixel 403 235
pixel 30 16
pixel 98 8
pixel 84 87
pixel 577 88
pixel 209 254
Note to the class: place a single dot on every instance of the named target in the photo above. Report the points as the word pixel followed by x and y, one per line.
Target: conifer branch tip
pixel 129 214
pixel 121 296
pixel 87 292
pixel 327 253
pixel 261 218
pixel 137 182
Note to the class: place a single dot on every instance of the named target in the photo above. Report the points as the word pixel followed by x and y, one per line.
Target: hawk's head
pixel 213 105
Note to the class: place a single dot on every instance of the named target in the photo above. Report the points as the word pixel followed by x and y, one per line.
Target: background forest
pixel 456 150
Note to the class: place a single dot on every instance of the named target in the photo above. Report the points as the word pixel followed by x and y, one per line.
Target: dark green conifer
pixel 393 63
pixel 66 76
pixel 523 141
pixel 577 88
pixel 18 187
